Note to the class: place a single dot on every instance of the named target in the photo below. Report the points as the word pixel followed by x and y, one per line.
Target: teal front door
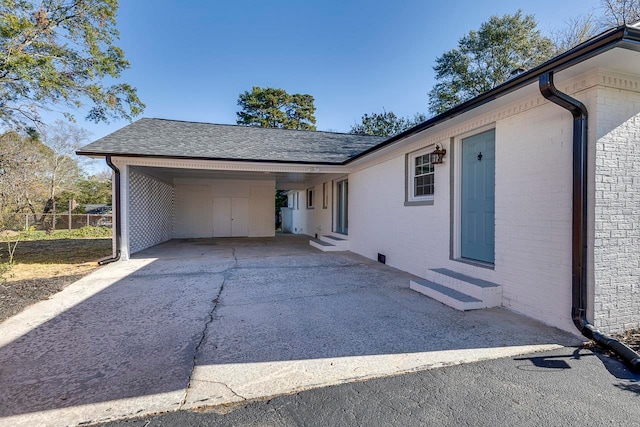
pixel 478 197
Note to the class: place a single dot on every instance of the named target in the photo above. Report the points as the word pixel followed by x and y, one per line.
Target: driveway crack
pixel 225 386
pixel 203 335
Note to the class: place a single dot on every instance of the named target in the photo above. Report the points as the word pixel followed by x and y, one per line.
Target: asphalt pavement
pixel 566 387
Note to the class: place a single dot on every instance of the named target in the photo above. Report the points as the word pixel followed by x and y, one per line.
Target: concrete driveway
pixel 219 321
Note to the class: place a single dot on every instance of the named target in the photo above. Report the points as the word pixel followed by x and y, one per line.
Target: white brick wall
pixel 617 211
pixel 413 238
pixel 317 220
pixel 299 213
pixel 150 211
pixel 533 213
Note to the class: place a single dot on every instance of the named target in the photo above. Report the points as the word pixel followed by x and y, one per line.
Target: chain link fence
pixel 61 221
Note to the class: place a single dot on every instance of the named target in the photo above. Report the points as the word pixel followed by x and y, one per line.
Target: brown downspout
pixel 579 223
pixel 116 201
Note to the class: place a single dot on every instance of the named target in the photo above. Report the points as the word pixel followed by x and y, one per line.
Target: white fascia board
pixel 244 166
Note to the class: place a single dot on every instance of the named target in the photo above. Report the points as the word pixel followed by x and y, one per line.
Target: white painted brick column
pixel 617 211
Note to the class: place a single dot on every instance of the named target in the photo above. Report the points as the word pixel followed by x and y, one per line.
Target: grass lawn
pixel 44 267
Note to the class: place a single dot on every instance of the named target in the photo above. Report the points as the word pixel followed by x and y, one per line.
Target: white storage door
pixel 230 217
pixel 239 217
pixel 221 217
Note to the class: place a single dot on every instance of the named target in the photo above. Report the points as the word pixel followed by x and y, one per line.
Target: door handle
pixel 480 157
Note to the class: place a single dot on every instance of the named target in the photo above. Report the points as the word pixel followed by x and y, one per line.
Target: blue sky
pixel 191 59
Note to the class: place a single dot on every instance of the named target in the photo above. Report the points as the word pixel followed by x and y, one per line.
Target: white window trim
pixel 410 198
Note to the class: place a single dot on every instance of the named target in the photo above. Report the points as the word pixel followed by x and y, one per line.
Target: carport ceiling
pixel 284 180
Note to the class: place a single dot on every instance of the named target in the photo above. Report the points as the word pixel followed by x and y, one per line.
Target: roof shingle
pixel 178 139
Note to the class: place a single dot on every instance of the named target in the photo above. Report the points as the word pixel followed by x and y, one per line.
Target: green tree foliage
pixel 275 108
pixel 385 124
pixel 486 58
pixel 93 189
pixel 59 52
pixel 281 200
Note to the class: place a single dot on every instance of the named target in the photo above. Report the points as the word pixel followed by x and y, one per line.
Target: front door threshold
pixel 475 262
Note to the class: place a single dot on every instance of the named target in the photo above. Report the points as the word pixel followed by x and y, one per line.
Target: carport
pixel 176 179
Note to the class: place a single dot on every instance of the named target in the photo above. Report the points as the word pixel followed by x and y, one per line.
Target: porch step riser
pixel 491 295
pixel 338 235
pixel 340 242
pixel 326 248
pixel 446 299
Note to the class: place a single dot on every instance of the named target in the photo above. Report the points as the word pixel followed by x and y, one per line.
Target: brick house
pixel 535 206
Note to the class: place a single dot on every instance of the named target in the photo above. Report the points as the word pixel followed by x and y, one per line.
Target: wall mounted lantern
pixel 437 155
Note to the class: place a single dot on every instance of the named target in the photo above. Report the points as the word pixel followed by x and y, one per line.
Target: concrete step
pixel 339 235
pixel 341 242
pixel 324 246
pixel 490 293
pixel 445 295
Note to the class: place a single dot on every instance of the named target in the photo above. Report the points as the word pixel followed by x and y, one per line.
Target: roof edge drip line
pixel 116 199
pixel 212 159
pixel 579 223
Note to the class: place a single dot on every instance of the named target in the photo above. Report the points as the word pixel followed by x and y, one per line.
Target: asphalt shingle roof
pixel 178 139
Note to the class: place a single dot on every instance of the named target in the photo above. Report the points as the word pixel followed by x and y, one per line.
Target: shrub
pixel 5 268
pixel 79 233
pixel 90 231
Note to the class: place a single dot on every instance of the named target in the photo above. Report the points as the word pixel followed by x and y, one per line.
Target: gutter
pixel 579 223
pixel 116 199
pixel 216 159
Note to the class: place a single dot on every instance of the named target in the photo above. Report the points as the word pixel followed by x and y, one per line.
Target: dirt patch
pixel 45 267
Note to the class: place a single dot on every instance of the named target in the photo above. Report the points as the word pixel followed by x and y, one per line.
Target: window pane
pixel 424 185
pixel 423 165
pixel 423 176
